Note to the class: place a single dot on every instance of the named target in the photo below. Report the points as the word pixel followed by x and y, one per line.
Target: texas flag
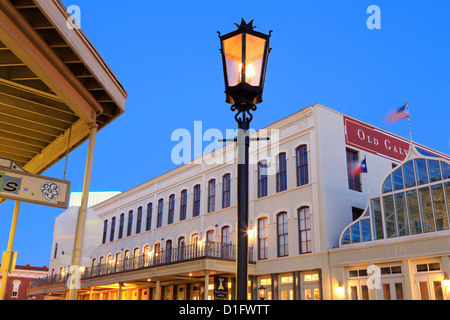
pixel 358 168
pixel 398 114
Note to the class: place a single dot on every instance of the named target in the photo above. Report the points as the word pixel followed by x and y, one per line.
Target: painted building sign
pixel 33 188
pixel 379 142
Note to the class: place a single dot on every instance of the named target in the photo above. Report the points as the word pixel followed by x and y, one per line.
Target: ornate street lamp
pixel 244 57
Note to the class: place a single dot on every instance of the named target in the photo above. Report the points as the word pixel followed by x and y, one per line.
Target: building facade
pixel 19 281
pixel 310 216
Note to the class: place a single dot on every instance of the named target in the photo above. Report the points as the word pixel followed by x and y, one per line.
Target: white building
pixel 171 237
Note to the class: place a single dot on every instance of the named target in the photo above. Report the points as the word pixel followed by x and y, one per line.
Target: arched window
pixel 183 205
pixel 263 239
pixel 130 222
pixel 282 235
pixel 181 248
pixel 196 207
pixel 121 222
pixel 225 242
pixel 281 173
pixel 262 179
pixel 225 235
pixel 210 235
pixel 302 165
pixel 15 290
pixel 139 220
pixel 148 224
pixel 194 238
pixel 109 263
pixel 171 209
pixel 168 251
pixel 160 213
pixel 157 253
pixel 105 230
pixel 226 189
pixel 304 225
pixel 113 229
pixel 135 258
pixel 211 195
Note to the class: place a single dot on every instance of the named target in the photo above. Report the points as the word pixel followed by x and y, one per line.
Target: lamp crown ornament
pixel 245 25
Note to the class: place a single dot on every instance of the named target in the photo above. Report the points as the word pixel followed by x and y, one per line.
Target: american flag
pixel 398 114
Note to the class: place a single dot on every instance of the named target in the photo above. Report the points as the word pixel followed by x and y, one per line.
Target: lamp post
pixel 244 57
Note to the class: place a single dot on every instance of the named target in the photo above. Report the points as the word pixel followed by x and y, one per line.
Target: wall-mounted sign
pixel 379 142
pixel 33 188
pixel 220 288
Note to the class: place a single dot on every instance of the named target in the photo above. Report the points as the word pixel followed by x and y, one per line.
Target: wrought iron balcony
pixel 178 254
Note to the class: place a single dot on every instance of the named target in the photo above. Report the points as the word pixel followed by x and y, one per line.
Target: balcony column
pixel 157 289
pixel 207 272
pixel 120 291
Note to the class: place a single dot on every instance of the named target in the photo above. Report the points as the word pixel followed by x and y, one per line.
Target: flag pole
pixel 409 123
pixel 367 179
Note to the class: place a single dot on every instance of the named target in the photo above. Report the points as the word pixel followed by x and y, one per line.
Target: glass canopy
pixel 415 199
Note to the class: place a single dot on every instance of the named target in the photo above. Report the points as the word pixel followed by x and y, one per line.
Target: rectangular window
pixel 262 179
pixel 302 165
pixel 282 235
pixel 263 239
pixel 226 186
pixel 415 223
pixel 426 209
pixel 354 179
pixel 148 224
pixel 113 229
pixel 160 213
pixel 130 222
pixel 211 195
pixel 377 219
pixel 439 207
pixel 281 173
pixel 139 220
pixel 402 216
pixel 171 209
pixel 196 208
pixel 183 205
pixel 389 216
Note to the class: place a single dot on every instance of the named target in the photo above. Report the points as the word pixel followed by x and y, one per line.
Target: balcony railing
pixel 204 249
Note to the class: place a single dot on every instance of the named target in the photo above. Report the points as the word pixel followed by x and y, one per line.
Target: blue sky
pixel 166 55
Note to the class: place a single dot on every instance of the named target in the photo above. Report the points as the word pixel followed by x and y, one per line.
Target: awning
pixel 53 84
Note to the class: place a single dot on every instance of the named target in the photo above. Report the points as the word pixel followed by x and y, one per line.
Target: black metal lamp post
pixel 244 57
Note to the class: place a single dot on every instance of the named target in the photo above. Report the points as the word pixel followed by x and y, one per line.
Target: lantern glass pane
pixel 232 48
pixel 254 54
